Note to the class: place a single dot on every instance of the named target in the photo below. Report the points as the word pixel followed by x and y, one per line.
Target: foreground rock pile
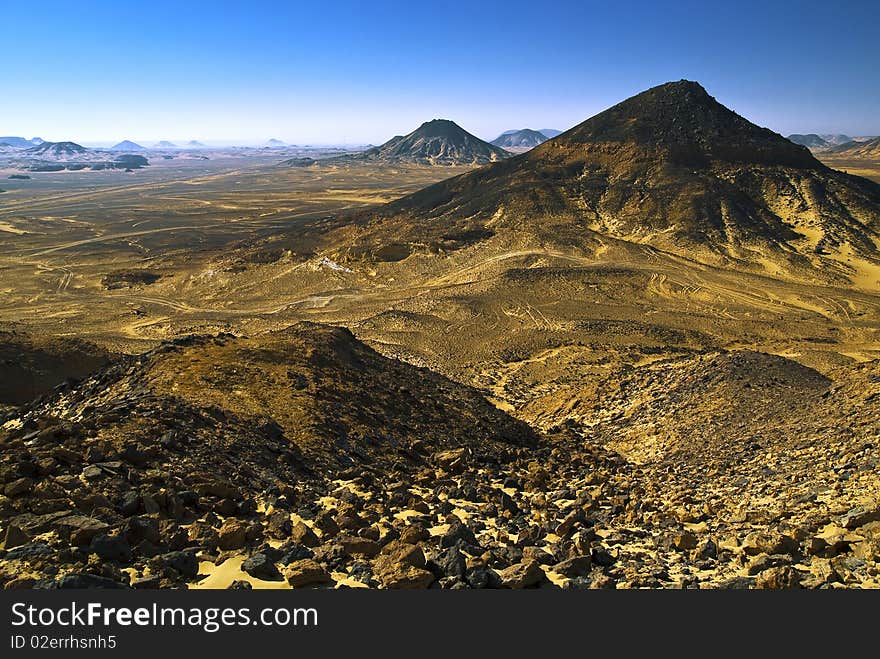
pixel 136 479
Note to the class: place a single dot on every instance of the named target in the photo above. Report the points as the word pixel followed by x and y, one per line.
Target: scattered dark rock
pixel 111 548
pixel 183 562
pixel 261 566
pixel 306 572
pixel 81 581
pixel 303 535
pixel 521 575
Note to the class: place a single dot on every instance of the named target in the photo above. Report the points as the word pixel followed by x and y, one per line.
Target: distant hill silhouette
pixel 21 142
pixel 127 145
pixel 523 138
pixel 836 139
pixel 811 140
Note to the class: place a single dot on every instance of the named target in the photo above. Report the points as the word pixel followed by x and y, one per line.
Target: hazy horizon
pixel 181 143
pixel 337 74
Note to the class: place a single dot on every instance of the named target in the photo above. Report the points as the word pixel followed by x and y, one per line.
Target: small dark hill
pixel 335 402
pixel 127 145
pixel 525 138
pixel 436 142
pixel 58 150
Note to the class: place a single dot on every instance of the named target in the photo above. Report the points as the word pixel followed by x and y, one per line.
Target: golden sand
pixel 221 576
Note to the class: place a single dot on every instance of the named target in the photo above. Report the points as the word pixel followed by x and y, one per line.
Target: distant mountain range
pixel 826 141
pixel 435 142
pixel 60 156
pixel 195 143
pixel 21 142
pixel 522 138
pixel 550 132
pixel 811 140
pixel 164 144
pixel 835 139
pixel 273 143
pixel 868 149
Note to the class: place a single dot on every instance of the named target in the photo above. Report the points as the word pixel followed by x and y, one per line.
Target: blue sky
pixel 330 72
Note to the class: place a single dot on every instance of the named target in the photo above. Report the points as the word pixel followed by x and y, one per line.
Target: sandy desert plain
pixel 64 232
pixel 234 244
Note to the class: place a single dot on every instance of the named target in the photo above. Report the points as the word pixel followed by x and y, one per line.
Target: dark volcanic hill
pixel 57 150
pixel 327 397
pixel 670 167
pixel 525 138
pixel 436 142
pixel 116 464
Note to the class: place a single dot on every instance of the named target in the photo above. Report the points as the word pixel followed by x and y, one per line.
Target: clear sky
pixel 363 71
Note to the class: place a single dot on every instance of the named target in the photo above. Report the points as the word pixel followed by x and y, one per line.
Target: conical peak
pixel 681 88
pixel 439 127
pixel 681 120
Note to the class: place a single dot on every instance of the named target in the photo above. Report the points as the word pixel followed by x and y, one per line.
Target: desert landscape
pixel 642 353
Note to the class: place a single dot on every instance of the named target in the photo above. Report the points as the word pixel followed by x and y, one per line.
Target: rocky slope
pixel 31 366
pixel 303 459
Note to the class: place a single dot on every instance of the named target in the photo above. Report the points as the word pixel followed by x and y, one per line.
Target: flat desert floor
pixel 63 234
